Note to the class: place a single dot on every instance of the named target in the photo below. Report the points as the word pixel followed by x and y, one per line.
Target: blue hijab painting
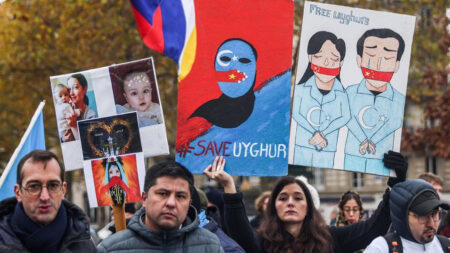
pixel 235 100
pixel 113 168
pixel 235 66
pixel 116 183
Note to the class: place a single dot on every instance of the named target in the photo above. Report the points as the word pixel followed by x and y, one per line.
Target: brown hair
pixel 259 202
pixel 38 156
pixel 341 221
pixel 431 178
pixel 314 235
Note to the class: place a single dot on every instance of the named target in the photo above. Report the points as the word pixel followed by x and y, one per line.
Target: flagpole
pixel 22 142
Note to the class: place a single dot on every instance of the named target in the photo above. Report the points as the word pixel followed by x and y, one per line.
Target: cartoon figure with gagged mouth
pixel 376 106
pixel 320 105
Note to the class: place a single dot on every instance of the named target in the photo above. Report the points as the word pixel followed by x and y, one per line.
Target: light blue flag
pixel 34 138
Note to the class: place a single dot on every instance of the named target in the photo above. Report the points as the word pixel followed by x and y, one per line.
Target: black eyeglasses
pixel 434 215
pixel 36 188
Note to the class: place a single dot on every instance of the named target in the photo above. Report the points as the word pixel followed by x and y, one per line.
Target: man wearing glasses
pixel 415 214
pixel 38 219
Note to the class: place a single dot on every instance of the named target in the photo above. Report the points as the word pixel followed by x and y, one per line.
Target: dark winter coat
pixel 139 238
pixel 402 196
pixel 228 244
pixel 345 239
pixel 76 239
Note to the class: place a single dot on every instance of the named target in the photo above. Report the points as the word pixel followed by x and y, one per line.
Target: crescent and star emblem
pixel 219 61
pixel 361 115
pixel 308 116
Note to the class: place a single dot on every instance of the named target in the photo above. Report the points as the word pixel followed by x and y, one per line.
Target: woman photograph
pixel 78 86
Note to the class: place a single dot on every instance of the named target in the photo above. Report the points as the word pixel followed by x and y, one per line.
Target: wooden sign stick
pixel 117 195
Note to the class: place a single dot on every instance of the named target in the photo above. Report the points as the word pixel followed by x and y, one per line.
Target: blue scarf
pixel 37 238
pixel 202 218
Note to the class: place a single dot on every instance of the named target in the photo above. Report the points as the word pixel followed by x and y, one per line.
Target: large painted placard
pixel 104 92
pixel 350 87
pixel 235 99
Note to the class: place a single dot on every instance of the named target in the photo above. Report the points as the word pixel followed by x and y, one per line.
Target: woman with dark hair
pixel 350 209
pixel 293 224
pixel 78 86
pixel 320 105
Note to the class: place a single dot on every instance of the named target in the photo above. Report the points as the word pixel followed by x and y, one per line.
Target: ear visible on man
pixel 17 193
pixel 64 188
pixel 358 61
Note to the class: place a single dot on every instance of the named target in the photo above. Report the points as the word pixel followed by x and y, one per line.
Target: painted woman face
pixel 327 57
pixel 77 92
pixel 235 67
pixel 114 171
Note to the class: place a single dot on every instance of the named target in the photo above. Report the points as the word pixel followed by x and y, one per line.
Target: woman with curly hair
pixel 350 209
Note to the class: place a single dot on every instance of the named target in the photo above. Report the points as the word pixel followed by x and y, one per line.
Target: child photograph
pixel 135 89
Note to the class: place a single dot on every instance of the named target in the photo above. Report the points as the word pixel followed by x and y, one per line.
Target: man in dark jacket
pixel 200 202
pixel 415 212
pixel 166 222
pixel 38 219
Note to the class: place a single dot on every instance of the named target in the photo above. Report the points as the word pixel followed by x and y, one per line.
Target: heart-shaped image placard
pixel 106 139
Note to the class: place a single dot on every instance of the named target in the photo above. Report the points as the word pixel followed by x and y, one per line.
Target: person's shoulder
pixel 202 240
pixel 90 113
pixel 228 244
pixel 352 88
pixel 205 236
pixel 397 94
pixel 122 240
pixel 378 245
pixel 121 109
pixel 75 211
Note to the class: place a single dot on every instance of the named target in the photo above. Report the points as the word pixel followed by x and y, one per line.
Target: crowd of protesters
pixel 177 217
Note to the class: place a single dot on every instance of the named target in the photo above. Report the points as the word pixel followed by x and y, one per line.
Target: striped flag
pixel 34 138
pixel 168 27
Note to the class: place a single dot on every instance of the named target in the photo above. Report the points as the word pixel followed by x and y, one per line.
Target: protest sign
pixel 105 92
pixel 234 89
pixel 113 160
pixel 350 87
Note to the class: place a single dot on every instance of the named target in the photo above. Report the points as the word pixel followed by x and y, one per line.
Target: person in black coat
pixel 38 218
pixel 293 224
